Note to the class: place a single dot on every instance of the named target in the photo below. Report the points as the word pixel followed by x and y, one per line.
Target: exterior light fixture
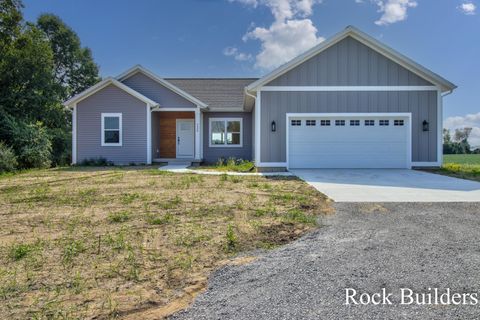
pixel 274 126
pixel 425 125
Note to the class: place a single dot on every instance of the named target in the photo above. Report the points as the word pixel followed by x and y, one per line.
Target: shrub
pixel 32 145
pixel 96 162
pixel 8 160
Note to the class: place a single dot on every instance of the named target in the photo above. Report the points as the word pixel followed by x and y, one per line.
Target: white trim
pixel 272 165
pixel 439 127
pixel 201 135
pixel 366 40
pixel 426 164
pixel 138 68
pixel 225 119
pixel 102 84
pixel 258 103
pixel 197 134
pixel 149 135
pixel 349 88
pixel 74 134
pixel 407 115
pixel 102 133
pixel 160 109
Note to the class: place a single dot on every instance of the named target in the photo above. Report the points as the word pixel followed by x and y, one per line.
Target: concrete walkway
pixel 185 169
pixel 389 185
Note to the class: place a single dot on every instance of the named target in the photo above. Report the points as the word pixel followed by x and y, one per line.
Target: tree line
pixel 42 64
pixel 458 143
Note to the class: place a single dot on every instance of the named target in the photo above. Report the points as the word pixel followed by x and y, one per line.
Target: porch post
pixel 149 134
pixel 197 133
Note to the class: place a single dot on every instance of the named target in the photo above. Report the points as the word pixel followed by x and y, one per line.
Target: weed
pixel 71 249
pixel 171 204
pixel 118 217
pixel 117 241
pixel 20 250
pixel 296 215
pixel 158 220
pixel 128 198
pixel 232 241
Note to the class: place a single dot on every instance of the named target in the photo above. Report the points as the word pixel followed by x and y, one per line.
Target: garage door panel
pixel 348 146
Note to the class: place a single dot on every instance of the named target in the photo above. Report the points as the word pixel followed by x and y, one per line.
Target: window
pixel 398 123
pixel 225 132
pixel 369 123
pixel 311 123
pixel 111 129
pixel 325 123
pixel 384 122
pixel 296 122
pixel 354 123
pixel 339 122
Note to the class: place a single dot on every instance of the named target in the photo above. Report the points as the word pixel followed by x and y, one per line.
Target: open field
pixel 465 166
pixel 134 243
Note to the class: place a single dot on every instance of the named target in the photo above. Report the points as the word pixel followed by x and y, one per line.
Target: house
pixel 349 102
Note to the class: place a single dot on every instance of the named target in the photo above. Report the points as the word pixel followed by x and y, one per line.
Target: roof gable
pixel 131 72
pixel 366 40
pixel 103 84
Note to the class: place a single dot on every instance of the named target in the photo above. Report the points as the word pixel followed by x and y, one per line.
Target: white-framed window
pixel 226 132
pixel 325 123
pixel 296 122
pixel 339 122
pixel 369 123
pixel 311 123
pixel 384 122
pixel 111 129
pixel 354 123
pixel 398 122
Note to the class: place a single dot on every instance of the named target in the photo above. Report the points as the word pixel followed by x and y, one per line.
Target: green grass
pixel 464 166
pixel 231 165
pixel 472 159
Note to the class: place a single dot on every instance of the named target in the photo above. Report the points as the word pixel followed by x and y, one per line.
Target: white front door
pixel 185 138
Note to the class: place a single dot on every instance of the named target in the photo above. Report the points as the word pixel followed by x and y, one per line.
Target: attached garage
pixel 344 140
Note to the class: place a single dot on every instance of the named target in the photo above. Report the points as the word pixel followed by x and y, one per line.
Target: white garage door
pixel 348 141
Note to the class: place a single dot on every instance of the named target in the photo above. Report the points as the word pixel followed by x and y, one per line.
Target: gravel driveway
pixel 363 246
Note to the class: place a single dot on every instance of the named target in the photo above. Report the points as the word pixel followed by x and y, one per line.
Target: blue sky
pixel 242 38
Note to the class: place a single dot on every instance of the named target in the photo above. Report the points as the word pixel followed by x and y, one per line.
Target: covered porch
pixel 176 135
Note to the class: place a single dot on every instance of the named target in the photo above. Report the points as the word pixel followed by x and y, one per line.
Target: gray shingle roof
pixel 225 93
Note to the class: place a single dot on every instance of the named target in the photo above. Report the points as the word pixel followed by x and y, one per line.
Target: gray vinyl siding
pixel 212 154
pixel 275 106
pixel 349 63
pixel 158 93
pixel 112 100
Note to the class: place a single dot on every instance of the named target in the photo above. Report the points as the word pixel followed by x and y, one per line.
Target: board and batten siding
pixel 275 106
pixel 349 63
pixel 157 92
pixel 134 117
pixel 212 154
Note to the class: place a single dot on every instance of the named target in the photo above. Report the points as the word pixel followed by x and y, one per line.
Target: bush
pixel 61 146
pixel 8 160
pixel 96 162
pixel 32 145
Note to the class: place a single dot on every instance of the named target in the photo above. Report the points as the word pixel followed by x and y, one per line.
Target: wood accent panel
pixel 168 131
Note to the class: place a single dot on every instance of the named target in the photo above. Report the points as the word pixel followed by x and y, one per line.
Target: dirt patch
pixel 134 243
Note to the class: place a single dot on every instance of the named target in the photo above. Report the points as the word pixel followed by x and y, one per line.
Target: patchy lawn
pixel 133 242
pixel 464 166
pixel 232 165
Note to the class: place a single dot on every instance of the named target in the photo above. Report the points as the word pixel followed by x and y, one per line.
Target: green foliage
pixel 41 65
pixel 232 240
pixel 117 217
pixel 459 143
pixel 96 162
pixel 20 251
pixel 8 160
pixel 233 164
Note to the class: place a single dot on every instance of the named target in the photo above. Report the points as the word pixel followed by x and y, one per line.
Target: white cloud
pixel 239 56
pixel 393 10
pixel 469 120
pixel 290 34
pixel 468 8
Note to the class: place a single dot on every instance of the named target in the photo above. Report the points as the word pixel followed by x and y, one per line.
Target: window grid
pixel 325 123
pixel 339 122
pixel 369 123
pixel 296 122
pixel 226 132
pixel 384 122
pixel 354 123
pixel 311 123
pixel 398 123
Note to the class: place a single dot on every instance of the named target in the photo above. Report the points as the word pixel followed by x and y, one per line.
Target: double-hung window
pixel 111 129
pixel 226 132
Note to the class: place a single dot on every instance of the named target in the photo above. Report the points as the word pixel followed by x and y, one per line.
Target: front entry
pixel 185 138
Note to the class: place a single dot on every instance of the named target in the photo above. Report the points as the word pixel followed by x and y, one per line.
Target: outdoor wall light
pixel 274 126
pixel 425 125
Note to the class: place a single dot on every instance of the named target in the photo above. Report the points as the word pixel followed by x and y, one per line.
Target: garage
pixel 349 140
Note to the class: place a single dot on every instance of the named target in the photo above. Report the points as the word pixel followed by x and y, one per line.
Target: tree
pixel 74 67
pixel 459 144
